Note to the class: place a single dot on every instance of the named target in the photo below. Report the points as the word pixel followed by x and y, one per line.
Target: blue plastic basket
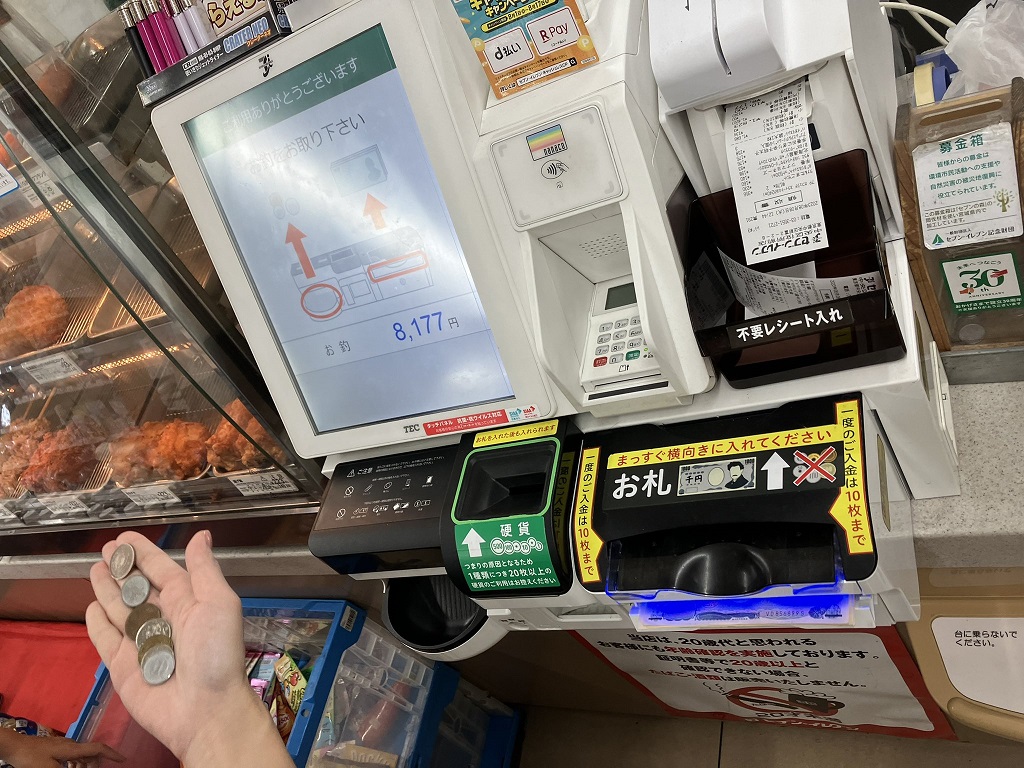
pixel 346 624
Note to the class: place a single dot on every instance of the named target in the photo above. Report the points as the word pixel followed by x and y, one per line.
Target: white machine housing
pixel 594 220
pixel 890 595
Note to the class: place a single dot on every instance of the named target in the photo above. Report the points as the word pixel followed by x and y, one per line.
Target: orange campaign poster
pixel 523 43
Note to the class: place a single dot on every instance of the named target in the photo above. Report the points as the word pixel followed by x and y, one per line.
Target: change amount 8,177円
pixel 424 326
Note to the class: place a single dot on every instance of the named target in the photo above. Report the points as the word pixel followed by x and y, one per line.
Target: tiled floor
pixel 558 738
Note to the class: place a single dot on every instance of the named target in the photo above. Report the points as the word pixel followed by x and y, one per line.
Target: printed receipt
pixel 765 294
pixel 773 176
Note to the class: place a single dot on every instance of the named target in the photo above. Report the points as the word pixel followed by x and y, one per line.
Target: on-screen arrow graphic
pixel 294 237
pixel 775 467
pixel 473 540
pixel 374 209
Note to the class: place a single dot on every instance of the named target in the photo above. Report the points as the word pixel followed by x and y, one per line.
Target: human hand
pixel 207 704
pixel 53 752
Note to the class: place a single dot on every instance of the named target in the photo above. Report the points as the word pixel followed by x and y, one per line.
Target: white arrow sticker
pixel 473 540
pixel 775 467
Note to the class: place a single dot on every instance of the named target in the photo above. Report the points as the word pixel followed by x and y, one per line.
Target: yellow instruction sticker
pixel 515 434
pixel 588 544
pixel 792 438
pixel 850 510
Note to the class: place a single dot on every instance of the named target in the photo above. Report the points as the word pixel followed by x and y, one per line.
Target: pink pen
pixel 165 32
pixel 149 39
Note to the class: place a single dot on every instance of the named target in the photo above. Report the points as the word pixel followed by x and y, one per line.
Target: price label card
pixel 7 182
pixel 64 505
pixel 263 483
pixel 151 495
pixel 52 368
pixel 46 185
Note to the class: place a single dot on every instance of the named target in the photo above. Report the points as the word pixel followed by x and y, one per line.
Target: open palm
pixel 208 686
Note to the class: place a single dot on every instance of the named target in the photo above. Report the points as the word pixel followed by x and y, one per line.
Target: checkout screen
pixel 324 184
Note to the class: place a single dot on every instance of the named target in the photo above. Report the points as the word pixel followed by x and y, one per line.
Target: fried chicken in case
pixel 231 451
pixel 223 449
pixel 12 343
pixel 181 451
pixel 17 445
pixel 159 450
pixel 63 461
pixel 38 314
pixel 132 454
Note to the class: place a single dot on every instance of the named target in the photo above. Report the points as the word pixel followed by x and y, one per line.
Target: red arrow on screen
pixel 374 208
pixel 294 238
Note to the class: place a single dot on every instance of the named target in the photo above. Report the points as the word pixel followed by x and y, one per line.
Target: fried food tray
pixel 49 259
pixel 167 212
pixel 108 409
pixel 140 394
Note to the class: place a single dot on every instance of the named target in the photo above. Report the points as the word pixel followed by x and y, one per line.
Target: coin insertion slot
pixel 507 482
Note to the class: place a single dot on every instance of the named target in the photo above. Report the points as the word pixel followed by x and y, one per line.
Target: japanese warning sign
pixel 523 43
pixel 982 658
pixel 840 680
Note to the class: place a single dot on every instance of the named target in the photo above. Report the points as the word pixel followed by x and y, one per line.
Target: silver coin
pixel 150 629
pixel 122 561
pixel 135 590
pixel 158 664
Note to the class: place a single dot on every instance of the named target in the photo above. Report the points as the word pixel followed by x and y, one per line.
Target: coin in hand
pixel 139 616
pixel 157 660
pixel 152 628
pixel 122 561
pixel 135 590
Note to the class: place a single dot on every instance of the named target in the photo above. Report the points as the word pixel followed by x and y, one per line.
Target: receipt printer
pixel 789 517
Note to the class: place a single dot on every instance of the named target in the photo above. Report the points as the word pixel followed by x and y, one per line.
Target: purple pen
pixel 166 34
pixel 149 40
pixel 184 30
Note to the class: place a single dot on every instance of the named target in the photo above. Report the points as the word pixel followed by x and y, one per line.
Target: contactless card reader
pixel 791 517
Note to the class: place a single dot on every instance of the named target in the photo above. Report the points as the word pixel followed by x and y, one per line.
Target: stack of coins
pixel 145 624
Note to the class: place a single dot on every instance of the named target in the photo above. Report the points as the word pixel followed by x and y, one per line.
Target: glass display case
pixel 127 393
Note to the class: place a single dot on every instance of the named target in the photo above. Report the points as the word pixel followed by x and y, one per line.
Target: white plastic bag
pixel 987 46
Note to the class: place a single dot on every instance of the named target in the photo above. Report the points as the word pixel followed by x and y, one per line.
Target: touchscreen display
pixel 323 182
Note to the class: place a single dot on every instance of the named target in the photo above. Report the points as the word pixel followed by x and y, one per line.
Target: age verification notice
pixel 324 183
